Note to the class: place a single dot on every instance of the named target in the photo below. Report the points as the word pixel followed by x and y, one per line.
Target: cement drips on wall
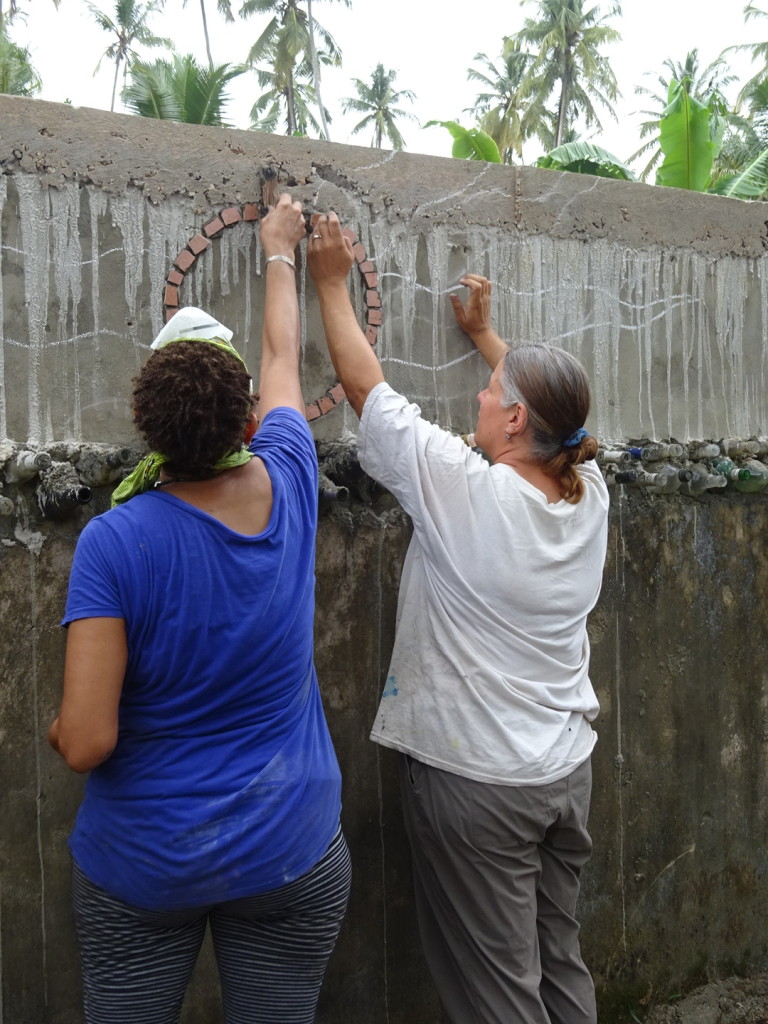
pixel 662 294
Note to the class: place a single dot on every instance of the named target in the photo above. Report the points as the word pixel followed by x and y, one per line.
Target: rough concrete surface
pixel 659 292
pixel 733 1001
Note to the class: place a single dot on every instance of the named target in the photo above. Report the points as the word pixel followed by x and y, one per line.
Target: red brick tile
pixel 184 260
pixel 374 317
pixel 198 244
pixel 325 404
pixel 213 227
pixel 170 312
pixel 372 334
pixel 171 297
pixel 230 216
pixel 373 299
pixel 350 234
pixel 250 211
pixel 371 280
pixel 175 277
pixel 312 412
pixel 359 252
pixel 337 393
pixel 366 267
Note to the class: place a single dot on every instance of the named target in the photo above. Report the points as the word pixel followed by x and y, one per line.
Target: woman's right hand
pixel 475 317
pixel 283 227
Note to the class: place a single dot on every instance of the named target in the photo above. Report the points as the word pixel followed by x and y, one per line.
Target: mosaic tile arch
pixel 226 218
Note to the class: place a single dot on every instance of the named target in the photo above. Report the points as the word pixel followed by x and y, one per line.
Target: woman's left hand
pixel 283 227
pixel 475 317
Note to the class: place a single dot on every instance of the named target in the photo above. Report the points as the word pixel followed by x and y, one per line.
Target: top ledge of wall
pixel 220 166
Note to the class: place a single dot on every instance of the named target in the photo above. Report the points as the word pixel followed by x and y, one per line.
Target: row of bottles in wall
pixel 62 485
pixel 661 467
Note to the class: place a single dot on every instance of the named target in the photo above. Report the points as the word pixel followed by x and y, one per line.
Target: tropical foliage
pixel 500 110
pixel 129 26
pixel 289 97
pixel 17 75
pixel 9 9
pixel 585 158
pixel 289 45
pixel 180 90
pixel 707 85
pixel 568 66
pixel 470 143
pixel 549 87
pixel 377 102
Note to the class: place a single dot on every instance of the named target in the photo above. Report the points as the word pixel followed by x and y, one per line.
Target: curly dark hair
pixel 191 401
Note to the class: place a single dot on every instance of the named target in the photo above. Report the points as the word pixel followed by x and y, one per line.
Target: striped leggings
pixel 271 949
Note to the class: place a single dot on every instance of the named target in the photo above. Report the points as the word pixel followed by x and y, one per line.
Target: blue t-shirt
pixel 224 782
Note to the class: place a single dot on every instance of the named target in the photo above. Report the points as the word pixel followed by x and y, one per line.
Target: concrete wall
pixel 107 222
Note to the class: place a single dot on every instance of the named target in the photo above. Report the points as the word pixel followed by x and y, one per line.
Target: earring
pixel 507 435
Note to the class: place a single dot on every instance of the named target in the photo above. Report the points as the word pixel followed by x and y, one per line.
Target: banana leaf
pixel 470 143
pixel 750 183
pixel 585 158
pixel 685 140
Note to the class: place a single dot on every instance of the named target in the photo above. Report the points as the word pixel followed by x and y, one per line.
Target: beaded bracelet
pixel 283 259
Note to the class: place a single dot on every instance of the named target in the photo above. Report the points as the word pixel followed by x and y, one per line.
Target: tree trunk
pixel 316 71
pixel 114 84
pixel 290 104
pixel 205 33
pixel 562 108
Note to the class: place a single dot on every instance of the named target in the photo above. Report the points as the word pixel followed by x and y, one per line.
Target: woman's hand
pixel 283 227
pixel 476 315
pixel 475 318
pixel 329 251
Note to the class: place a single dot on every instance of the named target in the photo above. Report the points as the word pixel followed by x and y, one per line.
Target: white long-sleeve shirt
pixel 489 676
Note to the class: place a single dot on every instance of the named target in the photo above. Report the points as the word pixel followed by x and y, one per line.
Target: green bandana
pixel 147 473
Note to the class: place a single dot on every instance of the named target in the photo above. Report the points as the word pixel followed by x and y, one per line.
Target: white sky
pixel 430 50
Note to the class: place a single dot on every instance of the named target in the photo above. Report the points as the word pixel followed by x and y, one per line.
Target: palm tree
pixel 705 85
pixel 17 75
pixel 292 33
pixel 377 101
pixel 180 90
pixel 500 110
pixel 568 62
pixel 288 95
pixel 129 26
pixel 225 9
pixel 7 16
pixel 759 51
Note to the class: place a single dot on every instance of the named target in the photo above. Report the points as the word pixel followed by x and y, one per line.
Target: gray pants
pixel 496 875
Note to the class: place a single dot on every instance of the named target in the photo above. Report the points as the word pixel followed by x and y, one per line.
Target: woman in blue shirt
pixel 190 692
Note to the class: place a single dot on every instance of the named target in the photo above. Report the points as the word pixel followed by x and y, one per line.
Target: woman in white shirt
pixel 488 695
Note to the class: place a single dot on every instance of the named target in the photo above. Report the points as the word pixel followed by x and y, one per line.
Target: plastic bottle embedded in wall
pixel 60 490
pixel 97 468
pixel 699 451
pixel 702 479
pixel 728 468
pixel 605 456
pixel 25 465
pixel 733 447
pixel 752 478
pixel 659 450
pixel 667 479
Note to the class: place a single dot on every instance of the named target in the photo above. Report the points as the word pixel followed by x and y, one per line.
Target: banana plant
pixel 586 158
pixel 470 143
pixel 691 137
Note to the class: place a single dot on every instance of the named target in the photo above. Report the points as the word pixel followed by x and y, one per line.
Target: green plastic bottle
pixel 756 478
